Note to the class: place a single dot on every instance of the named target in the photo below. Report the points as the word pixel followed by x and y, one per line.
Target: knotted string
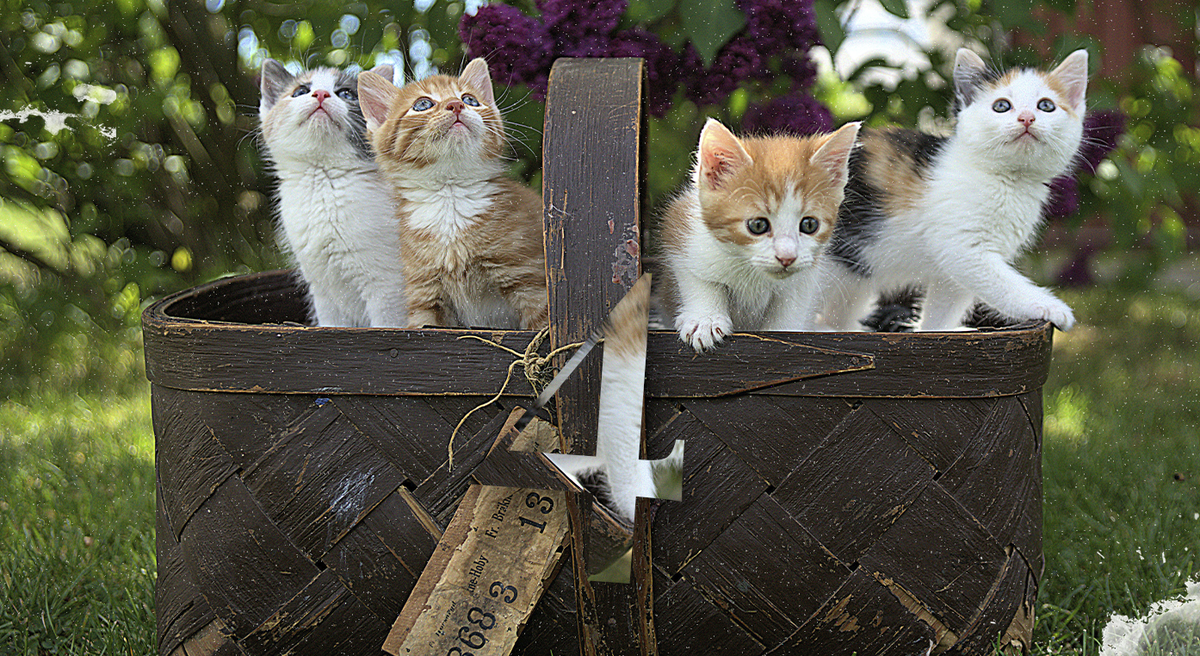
pixel 538 373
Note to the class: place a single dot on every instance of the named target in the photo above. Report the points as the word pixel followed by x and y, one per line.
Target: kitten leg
pixel 848 298
pixel 995 282
pixel 530 301
pixel 387 305
pixel 329 313
pixel 946 305
pixel 795 309
pixel 703 319
pixel 424 303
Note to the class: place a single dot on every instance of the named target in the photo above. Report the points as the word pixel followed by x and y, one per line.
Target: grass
pixel 1121 463
pixel 1121 469
pixel 77 562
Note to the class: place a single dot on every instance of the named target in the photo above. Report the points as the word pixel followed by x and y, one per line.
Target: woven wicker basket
pixel 843 493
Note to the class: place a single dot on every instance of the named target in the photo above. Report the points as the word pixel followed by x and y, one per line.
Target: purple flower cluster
pixel 740 59
pixel 778 24
pixel 796 113
pixel 520 48
pixel 1064 197
pixel 581 29
pixel 663 70
pixel 517 47
pixel 1101 131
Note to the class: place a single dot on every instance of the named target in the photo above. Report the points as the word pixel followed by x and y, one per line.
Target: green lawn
pixel 1122 483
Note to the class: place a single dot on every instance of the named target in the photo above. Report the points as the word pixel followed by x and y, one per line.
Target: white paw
pixel 1056 312
pixel 703 332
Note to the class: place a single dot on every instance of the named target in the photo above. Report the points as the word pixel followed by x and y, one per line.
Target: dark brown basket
pixel 843 493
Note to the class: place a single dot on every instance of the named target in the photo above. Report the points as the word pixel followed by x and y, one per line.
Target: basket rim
pixel 193 353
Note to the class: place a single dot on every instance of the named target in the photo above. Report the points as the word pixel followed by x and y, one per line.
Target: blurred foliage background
pixel 131 165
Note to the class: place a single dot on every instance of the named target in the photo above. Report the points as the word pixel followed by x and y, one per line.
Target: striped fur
pixel 470 238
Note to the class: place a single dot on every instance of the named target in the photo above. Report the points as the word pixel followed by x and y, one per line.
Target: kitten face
pixel 1023 117
pixel 313 116
pixel 434 119
pixel 772 201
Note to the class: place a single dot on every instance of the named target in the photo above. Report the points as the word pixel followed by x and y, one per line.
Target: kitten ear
pixel 1072 76
pixel 385 71
pixel 721 153
pixel 375 95
pixel 275 80
pixel 969 74
pixel 834 155
pixel 477 77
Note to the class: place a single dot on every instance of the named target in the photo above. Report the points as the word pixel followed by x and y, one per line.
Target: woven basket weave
pixel 843 493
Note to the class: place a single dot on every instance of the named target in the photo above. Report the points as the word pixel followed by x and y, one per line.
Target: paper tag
pixel 486 575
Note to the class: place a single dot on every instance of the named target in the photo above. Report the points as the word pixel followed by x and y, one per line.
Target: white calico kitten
pixel 336 217
pixel 470 237
pixel 951 214
pixel 742 243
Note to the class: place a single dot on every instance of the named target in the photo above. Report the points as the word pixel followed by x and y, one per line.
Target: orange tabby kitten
pixel 743 243
pixel 470 238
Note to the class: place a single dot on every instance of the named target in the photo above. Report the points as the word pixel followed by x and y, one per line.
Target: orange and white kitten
pixel 470 237
pixel 742 243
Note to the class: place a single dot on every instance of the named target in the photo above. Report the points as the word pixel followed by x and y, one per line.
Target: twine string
pixel 537 369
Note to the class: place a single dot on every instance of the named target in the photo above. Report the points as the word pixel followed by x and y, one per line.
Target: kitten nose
pixel 1026 118
pixel 455 106
pixel 785 260
pixel 321 95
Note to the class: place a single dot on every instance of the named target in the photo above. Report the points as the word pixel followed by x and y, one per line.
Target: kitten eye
pixel 1046 105
pixel 1001 106
pixel 809 225
pixel 301 90
pixel 347 94
pixel 422 104
pixel 758 225
pixel 470 100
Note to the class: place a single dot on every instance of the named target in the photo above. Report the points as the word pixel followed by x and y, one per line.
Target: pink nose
pixel 455 106
pixel 786 261
pixel 1026 118
pixel 321 95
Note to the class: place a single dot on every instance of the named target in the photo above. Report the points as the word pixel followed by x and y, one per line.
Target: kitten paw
pixel 703 332
pixel 1056 312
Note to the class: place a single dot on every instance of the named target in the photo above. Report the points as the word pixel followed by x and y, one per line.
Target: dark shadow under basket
pixel 843 492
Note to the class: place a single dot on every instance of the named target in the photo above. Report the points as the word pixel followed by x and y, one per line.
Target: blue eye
pixel 422 104
pixel 301 90
pixel 758 225
pixel 470 100
pixel 1046 105
pixel 809 225
pixel 347 94
pixel 1001 106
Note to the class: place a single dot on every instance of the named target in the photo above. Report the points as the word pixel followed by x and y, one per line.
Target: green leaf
pixel 829 25
pixel 648 11
pixel 710 24
pixel 896 7
pixel 1014 13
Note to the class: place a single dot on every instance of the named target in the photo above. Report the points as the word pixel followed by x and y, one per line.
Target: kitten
pixel 470 238
pixel 951 214
pixel 741 244
pixel 336 219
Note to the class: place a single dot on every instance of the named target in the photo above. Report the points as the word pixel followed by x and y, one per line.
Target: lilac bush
pixel 520 48
pixel 768 56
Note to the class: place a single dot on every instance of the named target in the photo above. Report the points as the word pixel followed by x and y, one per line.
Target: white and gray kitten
pixel 951 214
pixel 336 215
